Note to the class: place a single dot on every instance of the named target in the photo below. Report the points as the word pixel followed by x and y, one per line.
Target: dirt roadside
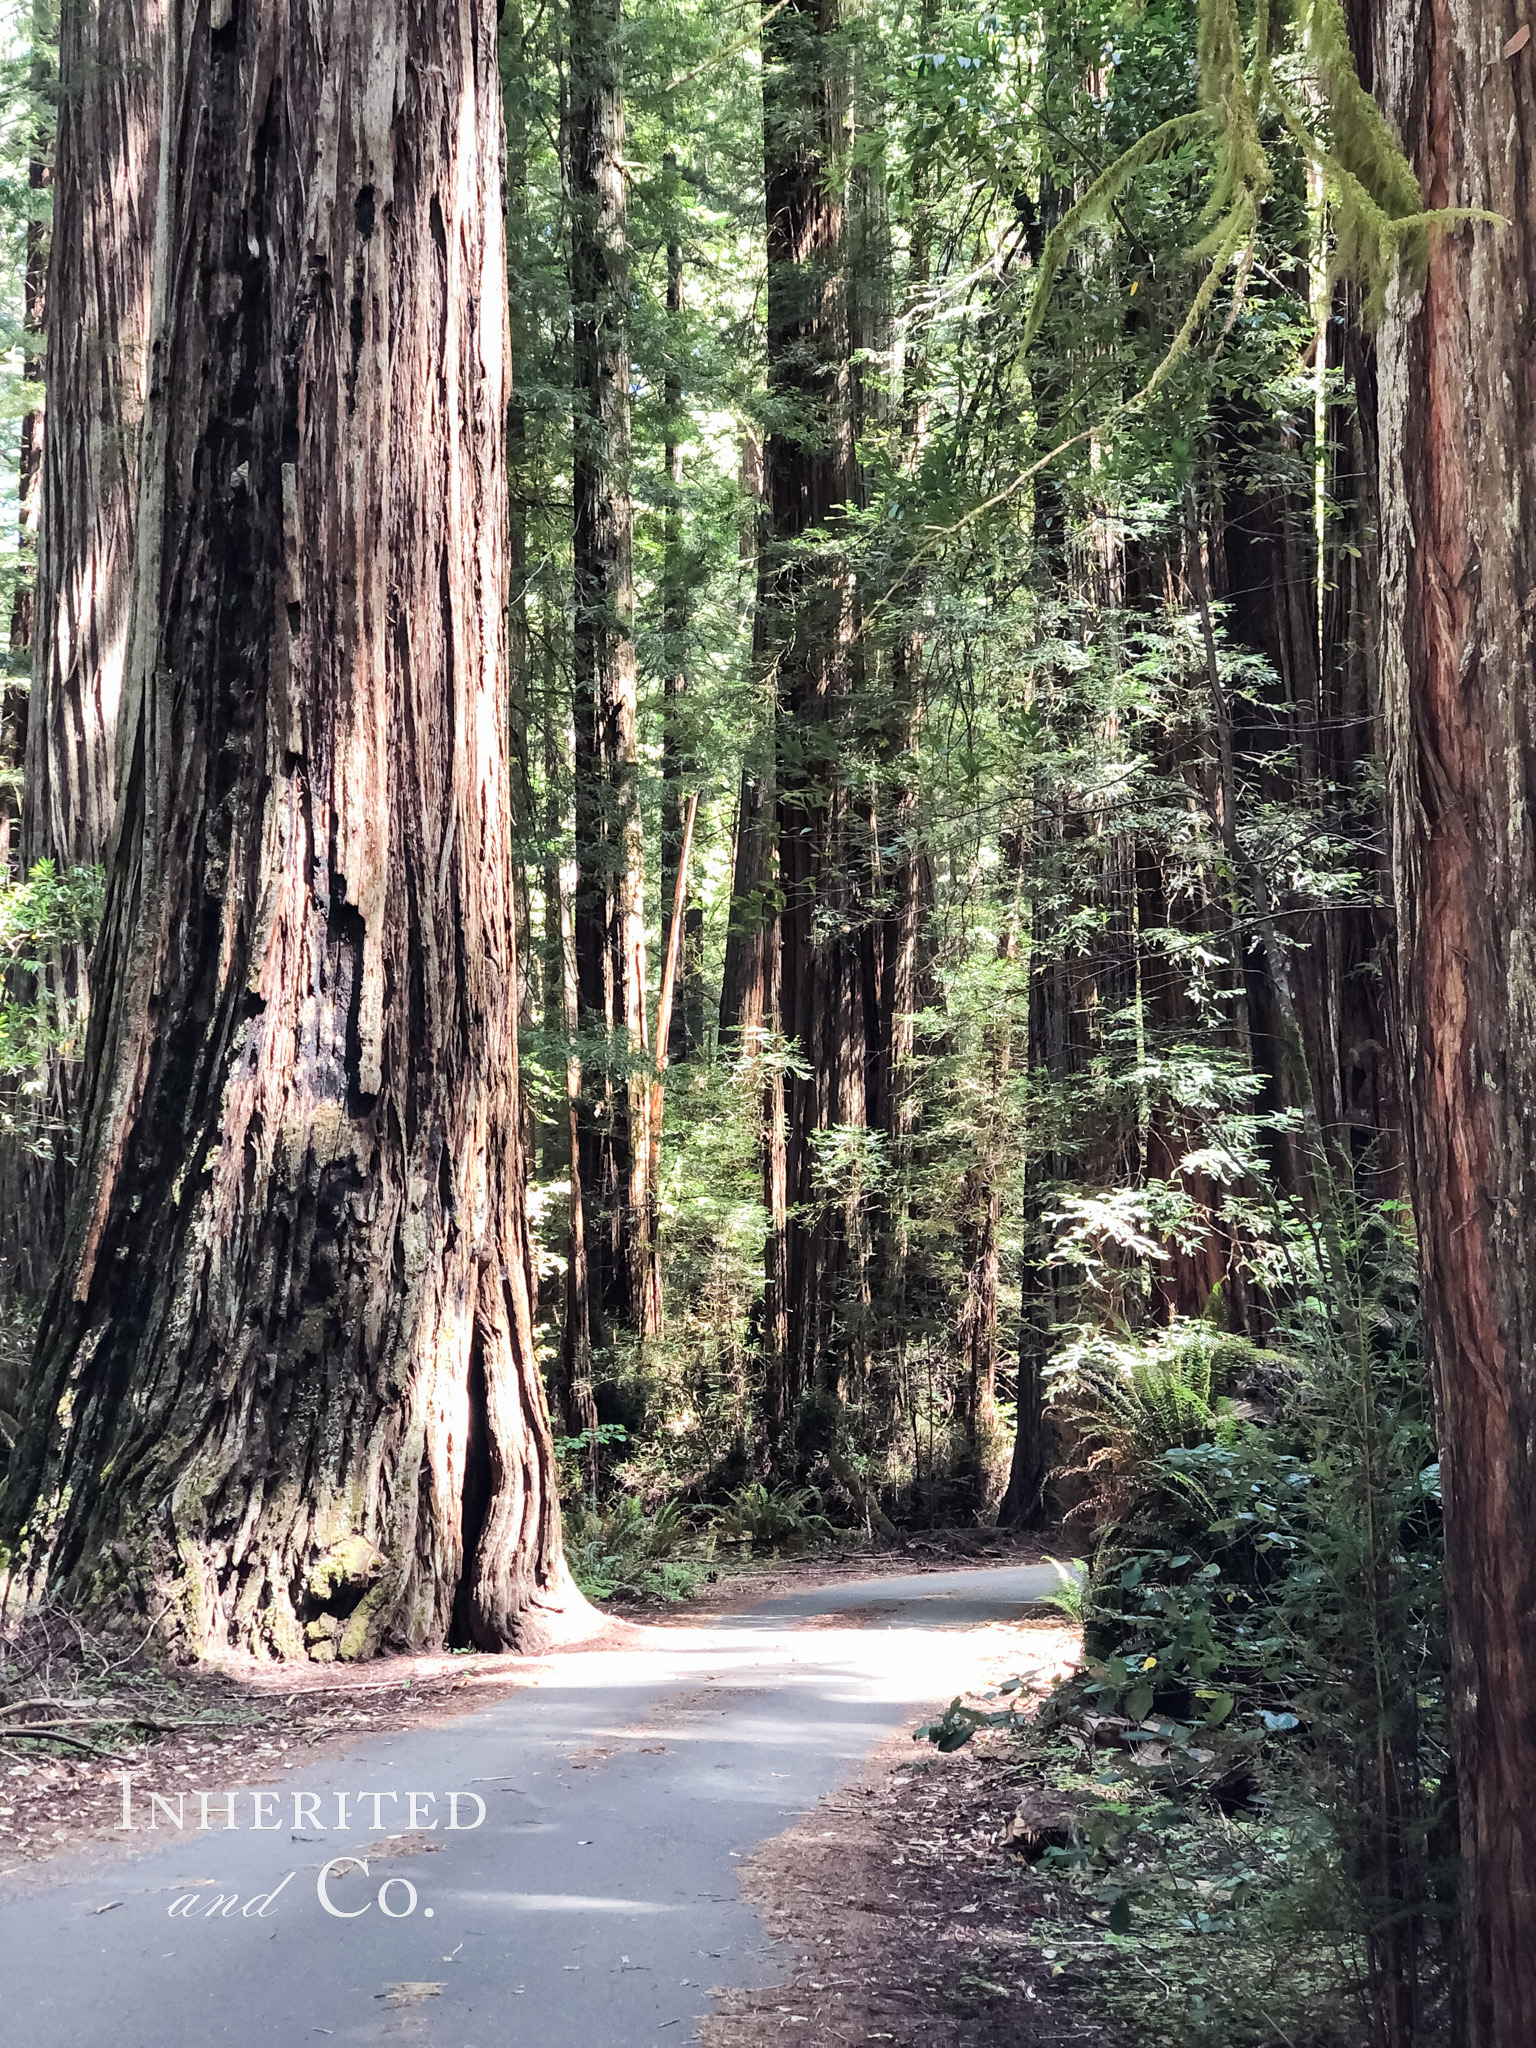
pixel 906 1917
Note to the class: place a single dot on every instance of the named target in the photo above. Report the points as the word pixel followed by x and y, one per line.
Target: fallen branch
pixel 69 1741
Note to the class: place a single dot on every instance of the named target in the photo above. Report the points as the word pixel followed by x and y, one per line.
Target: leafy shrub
pixel 40 920
pixel 1071 1588
pixel 1281 1583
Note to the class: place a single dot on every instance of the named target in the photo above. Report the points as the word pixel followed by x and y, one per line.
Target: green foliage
pixel 39 919
pixel 623 1549
pixel 960 1722
pixel 772 1518
pixel 1070 1591
pixel 47 911
pixel 1252 1761
pixel 1276 1586
pixel 1130 1403
pixel 1382 223
pixel 18 1334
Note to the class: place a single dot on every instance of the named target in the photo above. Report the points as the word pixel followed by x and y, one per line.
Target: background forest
pixel 1026 991
pixel 949 842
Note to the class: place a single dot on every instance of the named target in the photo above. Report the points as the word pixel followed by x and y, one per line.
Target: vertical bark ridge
pixel 806 595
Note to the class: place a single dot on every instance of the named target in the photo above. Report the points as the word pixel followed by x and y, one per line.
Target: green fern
pixel 1131 1402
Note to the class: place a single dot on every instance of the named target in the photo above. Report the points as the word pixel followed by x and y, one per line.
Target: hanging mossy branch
pixel 1381 225
pixel 1096 202
pixel 1230 96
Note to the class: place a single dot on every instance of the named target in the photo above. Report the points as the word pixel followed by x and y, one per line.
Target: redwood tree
pixel 105 170
pixel 1458 567
pixel 815 977
pixel 612 1169
pixel 286 1374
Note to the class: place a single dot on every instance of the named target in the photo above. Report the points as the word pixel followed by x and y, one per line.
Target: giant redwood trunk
pixel 1457 418
pixel 105 174
pixel 610 885
pixel 286 1376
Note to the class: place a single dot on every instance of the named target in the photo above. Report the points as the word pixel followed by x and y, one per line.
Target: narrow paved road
pixel 594 1903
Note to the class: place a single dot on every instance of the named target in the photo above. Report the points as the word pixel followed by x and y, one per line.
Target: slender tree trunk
pixel 558 884
pixel 1458 565
pixel 744 999
pixel 105 178
pixel 34 1124
pixel 1023 1502
pixel 1054 1053
pixel 577 1401
pixel 807 603
pixel 980 1232
pixel 286 1377
pixel 744 981
pixel 677 756
pixel 610 930
pixel 29 453
pixel 1051 1055
pixel 652 1304
pixel 519 647
pixel 901 874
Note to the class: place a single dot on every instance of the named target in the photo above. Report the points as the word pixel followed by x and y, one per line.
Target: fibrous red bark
pixel 286 1375
pixel 106 161
pixel 1457 417
pixel 106 175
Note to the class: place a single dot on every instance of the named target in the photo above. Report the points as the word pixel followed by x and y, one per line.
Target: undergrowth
pixel 1242 1800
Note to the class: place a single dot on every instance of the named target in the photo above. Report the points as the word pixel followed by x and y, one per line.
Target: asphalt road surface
pixel 566 1870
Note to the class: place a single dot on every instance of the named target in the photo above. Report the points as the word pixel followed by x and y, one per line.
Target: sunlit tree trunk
pixel 105 184
pixel 285 1378
pixel 1458 567
pixel 82 485
pixel 519 647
